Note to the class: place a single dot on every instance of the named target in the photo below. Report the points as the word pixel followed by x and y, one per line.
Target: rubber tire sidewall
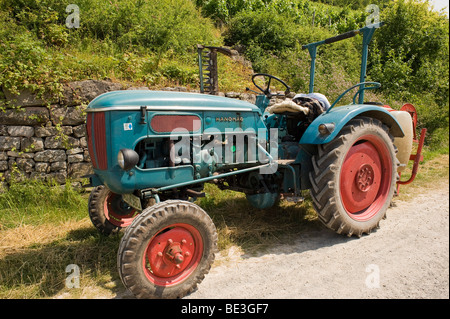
pixel 328 205
pixel 137 237
pixel 373 222
pixel 96 209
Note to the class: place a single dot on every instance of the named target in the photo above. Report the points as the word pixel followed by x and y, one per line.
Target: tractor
pixel 153 151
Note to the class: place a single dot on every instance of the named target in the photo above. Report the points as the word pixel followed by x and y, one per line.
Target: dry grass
pixel 432 174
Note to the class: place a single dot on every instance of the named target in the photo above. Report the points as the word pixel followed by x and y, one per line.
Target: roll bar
pixel 367 33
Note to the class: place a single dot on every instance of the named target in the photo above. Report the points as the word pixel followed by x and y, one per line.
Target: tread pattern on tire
pixel 323 179
pixel 96 211
pixel 132 245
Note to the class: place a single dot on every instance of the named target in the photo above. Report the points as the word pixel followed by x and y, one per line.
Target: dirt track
pixel 408 257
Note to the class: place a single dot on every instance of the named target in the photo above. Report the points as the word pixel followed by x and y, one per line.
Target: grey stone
pixel 8 143
pixel 27 98
pixel 25 116
pixel 77 170
pixel 251 98
pixel 75 158
pixel 50 156
pixel 25 165
pixel 32 144
pixel 25 131
pixel 59 177
pixel 45 131
pixel 58 166
pixel 61 142
pixel 83 142
pixel 38 175
pixel 68 115
pixel 75 150
pixel 67 130
pixel 12 165
pixel 42 167
pixel 19 154
pixel 3 165
pixel 233 95
pixel 87 157
pixel 138 88
pixel 78 92
pixel 3 156
pixel 79 131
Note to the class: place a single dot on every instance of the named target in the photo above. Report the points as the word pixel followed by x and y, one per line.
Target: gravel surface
pixel 408 257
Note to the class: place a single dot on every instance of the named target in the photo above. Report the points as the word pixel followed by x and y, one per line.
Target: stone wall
pixel 47 139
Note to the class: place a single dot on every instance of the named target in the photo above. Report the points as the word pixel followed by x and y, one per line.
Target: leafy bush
pixel 24 60
pixel 119 39
pixel 410 59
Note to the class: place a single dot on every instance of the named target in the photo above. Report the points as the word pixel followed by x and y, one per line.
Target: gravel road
pixel 408 257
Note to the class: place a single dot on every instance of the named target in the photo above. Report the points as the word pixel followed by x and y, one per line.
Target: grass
pixel 44 228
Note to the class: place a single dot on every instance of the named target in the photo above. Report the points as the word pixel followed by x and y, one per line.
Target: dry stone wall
pixel 47 139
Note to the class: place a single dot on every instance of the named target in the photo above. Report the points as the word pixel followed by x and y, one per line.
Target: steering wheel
pixel 266 91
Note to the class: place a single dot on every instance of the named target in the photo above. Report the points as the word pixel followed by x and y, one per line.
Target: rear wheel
pixel 167 250
pixel 108 212
pixel 354 177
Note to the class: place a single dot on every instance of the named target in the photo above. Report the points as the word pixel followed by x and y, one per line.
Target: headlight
pixel 127 159
pixel 326 129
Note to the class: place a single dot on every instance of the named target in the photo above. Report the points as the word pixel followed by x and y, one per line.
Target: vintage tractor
pixel 153 151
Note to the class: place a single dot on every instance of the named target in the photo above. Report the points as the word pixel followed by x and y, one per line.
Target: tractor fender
pixel 340 116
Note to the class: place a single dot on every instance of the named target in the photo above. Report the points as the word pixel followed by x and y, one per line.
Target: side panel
pixel 340 116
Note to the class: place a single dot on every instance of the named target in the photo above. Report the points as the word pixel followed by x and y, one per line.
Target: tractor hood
pixel 129 100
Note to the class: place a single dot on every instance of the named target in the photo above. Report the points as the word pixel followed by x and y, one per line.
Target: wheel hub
pixel 364 178
pixel 361 177
pixel 118 212
pixel 170 252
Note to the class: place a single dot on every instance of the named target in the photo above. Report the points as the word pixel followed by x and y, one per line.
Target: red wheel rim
pixel 173 254
pixel 117 212
pixel 365 178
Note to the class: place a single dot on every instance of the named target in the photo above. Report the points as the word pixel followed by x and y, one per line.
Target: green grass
pixel 32 202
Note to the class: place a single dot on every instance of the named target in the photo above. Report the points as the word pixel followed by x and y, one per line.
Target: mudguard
pixel 340 116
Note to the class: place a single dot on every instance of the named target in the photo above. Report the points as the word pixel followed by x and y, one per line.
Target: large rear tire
pixel 167 250
pixel 354 177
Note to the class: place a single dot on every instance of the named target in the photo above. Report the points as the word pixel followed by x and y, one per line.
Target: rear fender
pixel 340 116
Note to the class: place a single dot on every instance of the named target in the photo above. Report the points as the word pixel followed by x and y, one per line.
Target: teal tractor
pixel 153 151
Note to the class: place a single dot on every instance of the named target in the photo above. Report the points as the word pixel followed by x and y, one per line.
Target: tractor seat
pixel 287 106
pixel 297 105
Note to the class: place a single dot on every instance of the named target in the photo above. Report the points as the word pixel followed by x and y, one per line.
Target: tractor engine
pixel 139 140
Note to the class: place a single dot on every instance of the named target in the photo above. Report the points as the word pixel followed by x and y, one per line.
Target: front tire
pixel 354 177
pixel 167 250
pixel 108 212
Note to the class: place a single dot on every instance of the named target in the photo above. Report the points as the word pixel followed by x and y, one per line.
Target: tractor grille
pixel 96 136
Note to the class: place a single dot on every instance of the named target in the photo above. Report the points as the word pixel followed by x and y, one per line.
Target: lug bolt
pixel 160 254
pixel 178 258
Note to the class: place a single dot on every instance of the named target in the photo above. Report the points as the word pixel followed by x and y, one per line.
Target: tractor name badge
pixel 230 119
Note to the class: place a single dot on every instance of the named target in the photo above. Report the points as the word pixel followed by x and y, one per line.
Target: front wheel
pixel 108 211
pixel 354 177
pixel 167 250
